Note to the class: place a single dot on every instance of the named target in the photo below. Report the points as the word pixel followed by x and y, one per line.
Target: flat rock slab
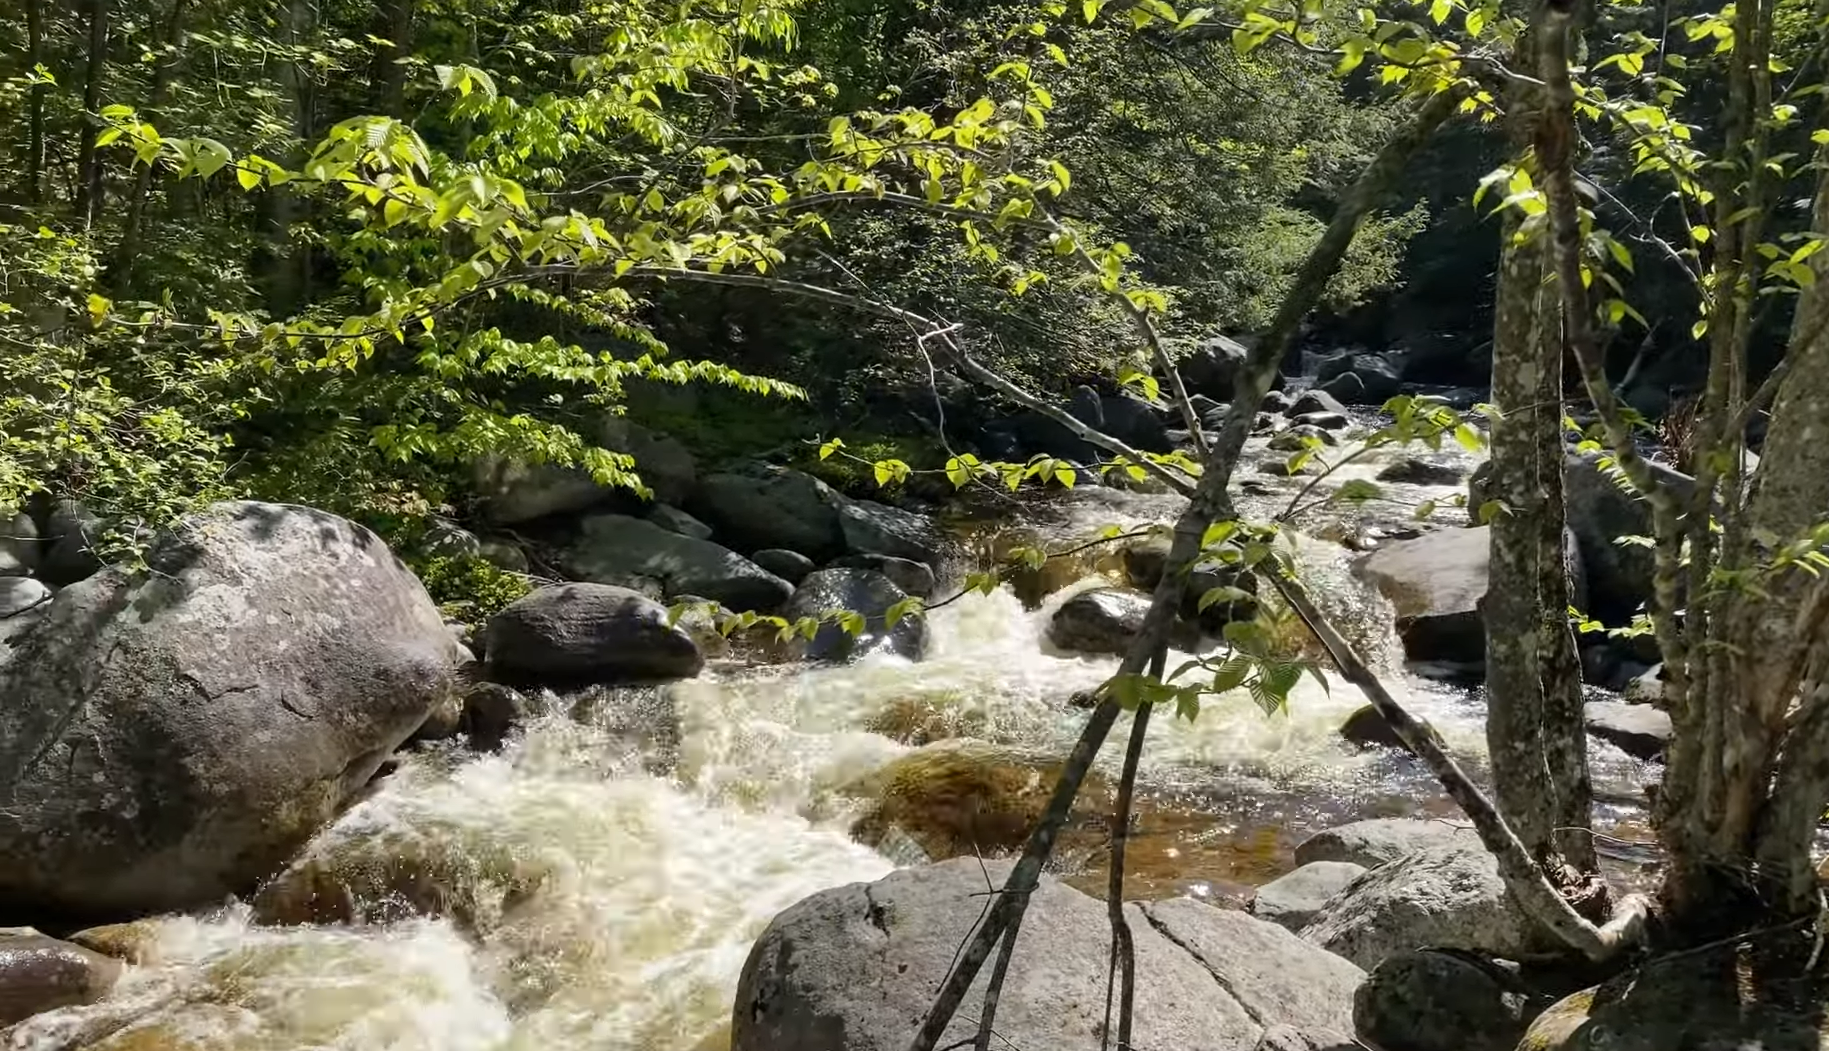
pixel 1446 898
pixel 1292 900
pixel 854 968
pixel 1381 840
pixel 1639 730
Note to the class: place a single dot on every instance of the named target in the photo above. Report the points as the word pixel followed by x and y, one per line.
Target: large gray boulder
pixel 1442 898
pixel 859 591
pixel 791 566
pixel 1600 511
pixel 41 974
pixel 1381 840
pixel 1436 583
pixel 665 466
pixel 911 576
pixel 1102 620
pixel 617 549
pixel 1136 423
pixel 70 534
pixel 870 528
pixel 1294 898
pixel 575 634
pixel 514 492
pixel 771 507
pixel 170 737
pixel 855 967
pixel 1213 368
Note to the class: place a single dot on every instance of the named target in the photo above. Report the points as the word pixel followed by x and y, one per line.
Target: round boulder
pixel 1447 898
pixel 578 634
pixel 1441 1001
pixel 791 566
pixel 170 737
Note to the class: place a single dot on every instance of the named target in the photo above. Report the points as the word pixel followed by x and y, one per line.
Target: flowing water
pixel 601 900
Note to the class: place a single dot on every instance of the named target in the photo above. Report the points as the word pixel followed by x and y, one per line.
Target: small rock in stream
pixel 41 974
pixel 1639 730
pixel 1293 899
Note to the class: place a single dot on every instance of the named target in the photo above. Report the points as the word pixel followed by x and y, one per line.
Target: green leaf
pixel 1232 674
pixel 826 450
pixel 248 179
pixel 851 622
pixel 894 614
pixel 1065 476
pixel 1222 594
pixel 1358 490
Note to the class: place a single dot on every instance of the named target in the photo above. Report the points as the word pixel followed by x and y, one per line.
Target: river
pixel 606 898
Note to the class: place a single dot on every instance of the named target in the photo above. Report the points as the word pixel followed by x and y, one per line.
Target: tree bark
pixel 393 23
pixel 34 151
pixel 88 157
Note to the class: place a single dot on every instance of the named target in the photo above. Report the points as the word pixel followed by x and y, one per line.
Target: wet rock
pixel 136 943
pixel 1415 470
pixel 1144 560
pixel 771 507
pixel 1639 730
pixel 70 532
pixel 379 873
pixel 155 767
pixel 1347 388
pixel 1436 583
pixel 443 722
pixel 1442 1001
pixel 18 594
pixel 1443 898
pixel 1102 620
pixel 1311 401
pixel 1213 368
pixel 1204 405
pixel 492 711
pixel 961 797
pixel 1280 401
pixel 1368 729
pixel 1297 438
pixel 1136 423
pixel 1738 997
pixel 617 549
pixel 665 466
pixel 1293 899
pixel 584 633
pixel 855 967
pixel 1327 421
pixel 1372 380
pixel 791 566
pixel 41 974
pixel 1382 840
pixel 860 591
pixel 674 520
pixel 19 544
pixel 913 577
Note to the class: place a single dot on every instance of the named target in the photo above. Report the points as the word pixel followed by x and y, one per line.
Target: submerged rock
pixel 855 967
pixel 1379 841
pixel 41 974
pixel 1414 470
pixel 1443 898
pixel 617 549
pixel 861 591
pixel 1292 900
pixel 1367 728
pixel 572 634
pixel 169 738
pixel 961 797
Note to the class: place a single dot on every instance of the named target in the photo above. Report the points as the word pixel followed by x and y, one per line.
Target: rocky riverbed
pixel 556 863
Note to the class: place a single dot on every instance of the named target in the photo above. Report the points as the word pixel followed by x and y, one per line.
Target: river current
pixel 609 896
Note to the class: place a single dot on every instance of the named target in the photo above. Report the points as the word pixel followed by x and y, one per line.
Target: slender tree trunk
pixel 1208 503
pixel 120 276
pixel 88 158
pixel 1535 732
pixel 283 265
pixel 394 23
pixel 34 153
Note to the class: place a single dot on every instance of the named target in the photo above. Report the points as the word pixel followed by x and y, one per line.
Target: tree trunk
pixel 393 23
pixel 120 271
pixel 282 266
pixel 1535 732
pixel 34 153
pixel 88 158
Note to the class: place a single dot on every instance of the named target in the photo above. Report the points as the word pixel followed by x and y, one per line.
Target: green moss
pixel 470 588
